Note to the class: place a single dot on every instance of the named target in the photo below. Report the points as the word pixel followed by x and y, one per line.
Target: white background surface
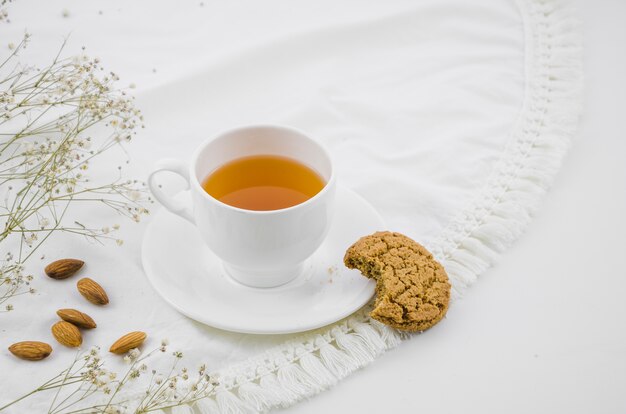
pixel 543 331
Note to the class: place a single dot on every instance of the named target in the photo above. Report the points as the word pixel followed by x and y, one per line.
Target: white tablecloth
pixel 426 107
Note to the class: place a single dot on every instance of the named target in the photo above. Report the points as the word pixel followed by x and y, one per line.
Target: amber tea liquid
pixel 263 182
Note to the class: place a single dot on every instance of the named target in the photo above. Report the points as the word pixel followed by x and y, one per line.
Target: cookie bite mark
pixel 412 288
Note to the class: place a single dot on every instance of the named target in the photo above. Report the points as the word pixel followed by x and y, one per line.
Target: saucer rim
pixel 148 271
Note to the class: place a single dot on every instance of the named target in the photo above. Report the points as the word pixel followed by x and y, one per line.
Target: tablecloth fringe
pixel 538 142
pixel 301 368
pixel 317 360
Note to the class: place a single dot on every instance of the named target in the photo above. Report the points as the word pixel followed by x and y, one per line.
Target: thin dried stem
pixel 86 386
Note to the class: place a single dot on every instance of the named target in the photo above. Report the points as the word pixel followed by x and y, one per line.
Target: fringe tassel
pixel 270 382
pixel 355 346
pixel 337 362
pixel 293 378
pixel 206 406
pixel 389 336
pixel 261 398
pixel 371 338
pixel 312 364
pixel 228 403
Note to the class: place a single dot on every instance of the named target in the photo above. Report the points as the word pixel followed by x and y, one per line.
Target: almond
pixel 128 342
pixel 64 268
pixel 78 318
pixel 31 350
pixel 92 291
pixel 67 334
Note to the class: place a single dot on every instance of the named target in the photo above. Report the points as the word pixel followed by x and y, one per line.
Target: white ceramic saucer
pixel 191 278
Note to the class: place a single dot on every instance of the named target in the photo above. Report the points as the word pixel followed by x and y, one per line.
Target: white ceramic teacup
pixel 258 248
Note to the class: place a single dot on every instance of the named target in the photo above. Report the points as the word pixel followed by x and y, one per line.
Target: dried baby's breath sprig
pixel 4 14
pixel 13 281
pixel 55 122
pixel 86 386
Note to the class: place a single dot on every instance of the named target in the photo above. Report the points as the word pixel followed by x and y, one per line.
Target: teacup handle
pixel 179 207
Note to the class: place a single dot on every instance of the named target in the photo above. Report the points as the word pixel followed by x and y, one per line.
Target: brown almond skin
pixel 76 317
pixel 67 334
pixel 31 350
pixel 92 291
pixel 128 342
pixel 64 268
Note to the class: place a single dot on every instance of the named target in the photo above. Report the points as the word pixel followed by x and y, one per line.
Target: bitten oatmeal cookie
pixel 412 288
